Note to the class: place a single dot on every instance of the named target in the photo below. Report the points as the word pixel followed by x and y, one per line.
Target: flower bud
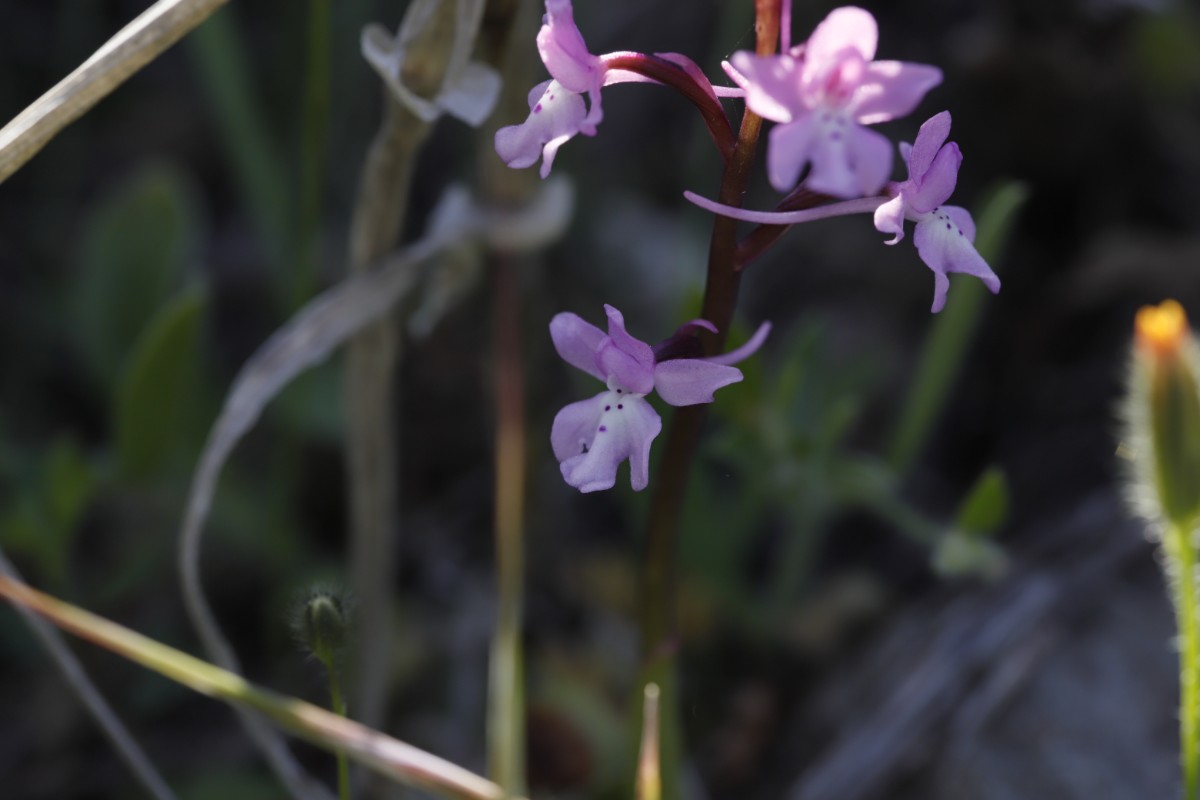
pixel 1165 412
pixel 323 626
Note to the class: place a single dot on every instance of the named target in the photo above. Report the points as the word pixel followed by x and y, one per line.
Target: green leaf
pixel 959 555
pixel 986 505
pixel 44 515
pixel 137 244
pixel 157 386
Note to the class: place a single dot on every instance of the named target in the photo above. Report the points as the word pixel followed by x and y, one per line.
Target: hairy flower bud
pixel 1164 413
pixel 323 625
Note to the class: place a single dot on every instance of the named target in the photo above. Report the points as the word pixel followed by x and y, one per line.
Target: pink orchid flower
pixel 556 108
pixel 821 93
pixel 591 438
pixel 944 235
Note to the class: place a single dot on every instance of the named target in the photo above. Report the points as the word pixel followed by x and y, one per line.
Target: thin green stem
pixel 506 714
pixel 314 129
pixel 1182 554
pixel 338 706
pixel 386 756
pixel 77 679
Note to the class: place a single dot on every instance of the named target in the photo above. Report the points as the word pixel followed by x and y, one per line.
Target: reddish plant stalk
pixel 657 602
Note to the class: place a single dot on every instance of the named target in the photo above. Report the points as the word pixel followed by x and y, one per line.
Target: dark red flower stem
pixel 659 640
pixel 671 74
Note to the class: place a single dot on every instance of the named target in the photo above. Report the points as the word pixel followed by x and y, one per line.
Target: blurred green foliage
pixel 42 515
pixel 156 387
pixel 139 245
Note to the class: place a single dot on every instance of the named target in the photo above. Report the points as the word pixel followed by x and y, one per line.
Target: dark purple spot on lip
pixel 948 226
pixel 603 429
pixel 960 233
pixel 618 391
pixel 606 408
pixel 620 406
pixel 537 109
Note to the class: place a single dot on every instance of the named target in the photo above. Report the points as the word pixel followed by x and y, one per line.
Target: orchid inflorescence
pixel 821 94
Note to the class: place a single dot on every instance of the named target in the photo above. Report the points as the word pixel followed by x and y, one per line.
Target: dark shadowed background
pixel 835 643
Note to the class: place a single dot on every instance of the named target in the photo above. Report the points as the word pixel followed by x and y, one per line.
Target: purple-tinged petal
pixel 889 218
pixel 624 431
pixel 832 84
pixel 577 342
pixel 623 371
pixel 575 426
pixel 933 134
pixel 746 350
pixel 849 161
pixel 935 186
pixel 550 151
pixel 555 116
pixel 847 27
pixel 944 240
pixel 871 156
pixel 790 149
pixel 963 220
pixel 771 84
pixel 892 89
pixel 641 351
pixel 688 381
pixel 564 52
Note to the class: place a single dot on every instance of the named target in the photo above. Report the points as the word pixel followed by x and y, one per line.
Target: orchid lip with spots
pixel 591 438
pixel 556 107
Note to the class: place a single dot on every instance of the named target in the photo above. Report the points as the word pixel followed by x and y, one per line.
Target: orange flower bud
pixel 1165 412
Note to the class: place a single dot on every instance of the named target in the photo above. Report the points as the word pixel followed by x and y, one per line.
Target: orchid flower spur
pixel 592 437
pixel 821 93
pixel 944 235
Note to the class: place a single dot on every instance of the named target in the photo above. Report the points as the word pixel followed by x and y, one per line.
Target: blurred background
pixel 907 567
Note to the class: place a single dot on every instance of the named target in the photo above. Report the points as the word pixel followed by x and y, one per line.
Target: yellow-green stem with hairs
pixel 1181 552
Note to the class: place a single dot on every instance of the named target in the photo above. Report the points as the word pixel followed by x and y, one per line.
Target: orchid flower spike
pixel 821 93
pixel 556 108
pixel 944 235
pixel 592 437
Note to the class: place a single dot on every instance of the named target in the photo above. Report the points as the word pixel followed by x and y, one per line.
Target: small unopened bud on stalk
pixel 1164 423
pixel 1165 411
pixel 324 627
pixel 322 624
